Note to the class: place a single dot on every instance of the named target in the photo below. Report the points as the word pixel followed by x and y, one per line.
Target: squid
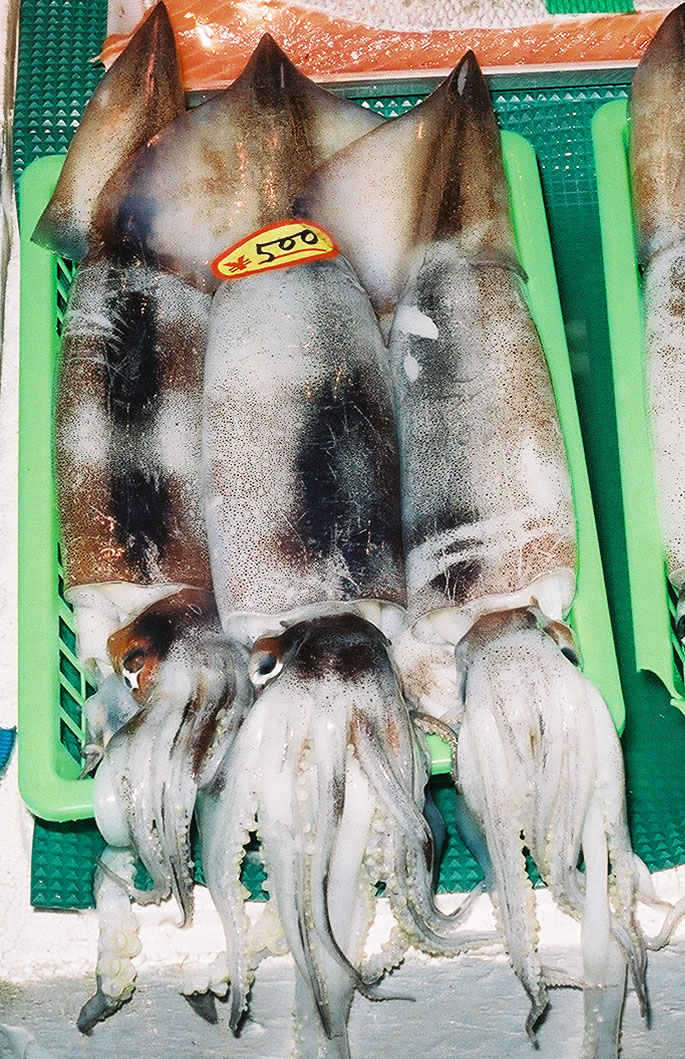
pixel 193 690
pixel 656 168
pixel 329 772
pixel 128 437
pixel 129 378
pixel 489 535
pixel 129 428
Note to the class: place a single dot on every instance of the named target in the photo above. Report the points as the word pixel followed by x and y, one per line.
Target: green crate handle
pixel 646 566
pixel 47 772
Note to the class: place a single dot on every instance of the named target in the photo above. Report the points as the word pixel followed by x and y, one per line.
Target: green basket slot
pixel 656 648
pixel 52 692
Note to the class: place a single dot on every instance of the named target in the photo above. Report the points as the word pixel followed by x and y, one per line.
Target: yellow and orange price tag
pixel 279 245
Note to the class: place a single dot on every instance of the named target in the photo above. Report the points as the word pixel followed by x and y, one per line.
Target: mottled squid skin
pixel 308 520
pixel 657 168
pixel 229 166
pixel 128 443
pixel 540 767
pixel 128 421
pixel 486 500
pixel 487 508
pixel 129 381
pixel 328 770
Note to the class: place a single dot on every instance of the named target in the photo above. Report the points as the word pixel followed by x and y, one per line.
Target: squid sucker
pixel 657 170
pixel 329 772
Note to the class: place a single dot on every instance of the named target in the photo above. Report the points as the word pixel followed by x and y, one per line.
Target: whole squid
pixel 127 447
pixel 306 552
pixel 489 534
pixel 657 158
pixel 128 414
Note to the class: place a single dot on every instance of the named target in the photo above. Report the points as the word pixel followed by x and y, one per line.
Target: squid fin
pixel 434 172
pixel 138 96
pixel 657 138
pixel 228 167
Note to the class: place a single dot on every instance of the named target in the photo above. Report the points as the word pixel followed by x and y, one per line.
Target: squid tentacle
pixel 280 828
pixel 513 896
pixel 117 942
pixel 412 902
pixel 428 926
pixel 330 744
pixel 227 813
pixel 604 965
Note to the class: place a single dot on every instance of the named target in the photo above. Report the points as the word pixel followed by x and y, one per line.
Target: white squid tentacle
pixel 117 941
pixel 604 962
pixel 227 811
pixel 486 782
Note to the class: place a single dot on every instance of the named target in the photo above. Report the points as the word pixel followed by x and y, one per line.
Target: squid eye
pixel 131 667
pixel 264 666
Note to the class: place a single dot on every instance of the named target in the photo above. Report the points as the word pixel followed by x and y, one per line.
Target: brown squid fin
pixel 138 96
pixel 657 138
pixel 434 172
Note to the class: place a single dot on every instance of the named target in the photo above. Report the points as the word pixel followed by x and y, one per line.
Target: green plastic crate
pixel 657 649
pixel 52 686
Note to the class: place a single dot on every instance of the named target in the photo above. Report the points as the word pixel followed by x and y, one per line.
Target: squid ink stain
pixel 140 507
pixel 131 359
pixel 347 503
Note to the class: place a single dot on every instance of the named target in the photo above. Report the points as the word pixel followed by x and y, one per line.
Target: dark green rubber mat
pixel 587 7
pixel 63 864
pixel 55 78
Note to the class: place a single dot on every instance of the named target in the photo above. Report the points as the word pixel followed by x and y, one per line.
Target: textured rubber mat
pixel 56 77
pixel 582 7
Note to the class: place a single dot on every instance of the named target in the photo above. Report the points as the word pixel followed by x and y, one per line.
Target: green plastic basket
pixel 52 686
pixel 657 649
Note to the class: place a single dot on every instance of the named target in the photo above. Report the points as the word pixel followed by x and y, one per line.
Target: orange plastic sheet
pixel 216 39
